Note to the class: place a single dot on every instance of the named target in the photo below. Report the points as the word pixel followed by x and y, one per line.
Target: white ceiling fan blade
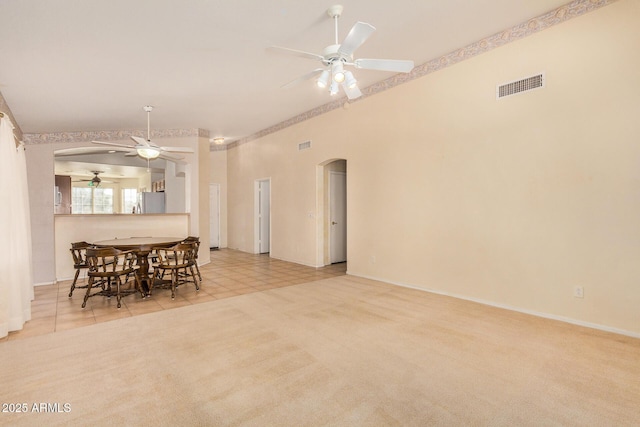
pixel 177 149
pixel 141 141
pixel 352 93
pixel 395 65
pixel 166 156
pixel 302 78
pixel 301 53
pixel 101 181
pixel 112 144
pixel 359 33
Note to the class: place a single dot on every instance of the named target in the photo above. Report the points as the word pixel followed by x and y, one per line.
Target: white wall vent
pixel 519 86
pixel 304 145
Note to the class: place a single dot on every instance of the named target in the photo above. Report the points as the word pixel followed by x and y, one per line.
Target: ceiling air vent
pixel 304 145
pixel 519 86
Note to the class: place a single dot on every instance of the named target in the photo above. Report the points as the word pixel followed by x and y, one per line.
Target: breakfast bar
pixel 97 229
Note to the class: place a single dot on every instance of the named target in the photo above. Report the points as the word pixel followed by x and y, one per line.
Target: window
pixel 88 200
pixel 129 200
pixel 81 200
pixel 103 200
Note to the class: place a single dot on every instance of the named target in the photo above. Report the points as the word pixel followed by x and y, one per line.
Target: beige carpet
pixel 342 352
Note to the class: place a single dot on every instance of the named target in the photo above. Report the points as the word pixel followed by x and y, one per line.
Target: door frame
pixel 256 215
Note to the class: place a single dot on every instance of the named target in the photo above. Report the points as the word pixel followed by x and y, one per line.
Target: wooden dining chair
pixel 107 266
pixel 196 243
pixel 179 261
pixel 79 254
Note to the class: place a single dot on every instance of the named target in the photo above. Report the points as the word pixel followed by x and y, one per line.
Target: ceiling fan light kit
pixel 145 148
pixel 149 153
pixel 323 80
pixel 350 81
pixel 337 70
pixel 334 57
pixel 333 90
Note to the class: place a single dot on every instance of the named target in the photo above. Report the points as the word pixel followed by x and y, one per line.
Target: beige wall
pixel 294 201
pixel 41 181
pixel 511 202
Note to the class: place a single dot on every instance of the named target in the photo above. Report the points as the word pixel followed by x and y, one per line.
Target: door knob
pixel 333 223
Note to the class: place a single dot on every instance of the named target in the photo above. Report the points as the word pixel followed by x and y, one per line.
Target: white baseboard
pixel 511 308
pixel 44 284
pixel 296 262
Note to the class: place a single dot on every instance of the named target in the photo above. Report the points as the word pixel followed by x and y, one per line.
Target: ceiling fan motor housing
pixel 331 54
pixel 96 179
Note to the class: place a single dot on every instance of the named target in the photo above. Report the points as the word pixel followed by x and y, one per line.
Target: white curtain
pixel 16 275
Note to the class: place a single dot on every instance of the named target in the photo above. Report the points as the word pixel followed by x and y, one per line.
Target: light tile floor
pixel 229 274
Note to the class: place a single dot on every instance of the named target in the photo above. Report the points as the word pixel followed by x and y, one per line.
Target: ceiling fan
pixel 336 56
pixel 95 181
pixel 145 148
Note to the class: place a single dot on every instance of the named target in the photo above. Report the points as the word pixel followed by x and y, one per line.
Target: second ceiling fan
pixel 95 181
pixel 145 148
pixel 334 58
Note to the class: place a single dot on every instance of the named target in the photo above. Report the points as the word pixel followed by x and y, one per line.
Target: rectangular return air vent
pixel 304 145
pixel 520 86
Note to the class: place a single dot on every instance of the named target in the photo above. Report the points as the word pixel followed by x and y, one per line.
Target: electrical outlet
pixel 578 292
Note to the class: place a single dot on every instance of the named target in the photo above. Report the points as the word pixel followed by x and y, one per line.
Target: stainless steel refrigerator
pixel 151 202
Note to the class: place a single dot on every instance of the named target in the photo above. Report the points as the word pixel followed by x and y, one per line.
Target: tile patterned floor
pixel 229 274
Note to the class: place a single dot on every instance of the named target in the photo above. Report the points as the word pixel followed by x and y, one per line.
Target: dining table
pixel 142 247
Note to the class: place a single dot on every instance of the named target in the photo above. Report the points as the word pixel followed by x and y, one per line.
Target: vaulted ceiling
pixel 71 65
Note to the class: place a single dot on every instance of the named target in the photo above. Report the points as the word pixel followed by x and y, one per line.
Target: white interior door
pixel 263 214
pixel 214 215
pixel 338 216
